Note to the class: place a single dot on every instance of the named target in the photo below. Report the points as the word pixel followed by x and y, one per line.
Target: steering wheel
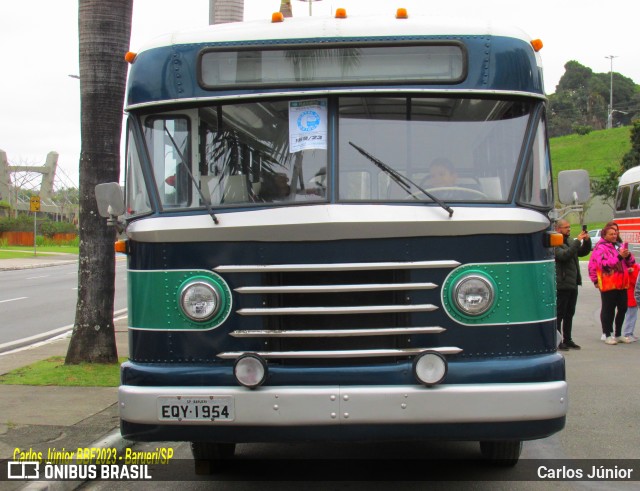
pixel 451 193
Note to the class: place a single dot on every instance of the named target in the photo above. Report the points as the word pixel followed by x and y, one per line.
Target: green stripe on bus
pixel 154 296
pixel 525 292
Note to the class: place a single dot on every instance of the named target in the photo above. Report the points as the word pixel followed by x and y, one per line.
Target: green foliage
pixel 4 205
pixel 582 100
pixel 23 223
pixel 49 228
pixel 582 129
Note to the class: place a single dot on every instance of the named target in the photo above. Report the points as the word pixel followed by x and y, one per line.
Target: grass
pixel 53 371
pixel 17 252
pixel 593 152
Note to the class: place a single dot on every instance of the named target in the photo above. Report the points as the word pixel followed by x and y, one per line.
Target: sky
pixel 40 103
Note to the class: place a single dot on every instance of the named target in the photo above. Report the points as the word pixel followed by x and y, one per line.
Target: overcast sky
pixel 39 102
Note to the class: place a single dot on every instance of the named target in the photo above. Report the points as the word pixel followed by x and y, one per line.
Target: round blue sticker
pixel 308 121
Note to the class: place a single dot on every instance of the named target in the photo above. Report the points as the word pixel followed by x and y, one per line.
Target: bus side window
pixel 634 204
pixel 622 198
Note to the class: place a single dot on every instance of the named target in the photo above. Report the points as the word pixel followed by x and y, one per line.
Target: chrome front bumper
pixel 353 405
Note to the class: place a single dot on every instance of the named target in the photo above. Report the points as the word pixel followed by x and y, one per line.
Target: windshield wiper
pixel 402 181
pixel 207 202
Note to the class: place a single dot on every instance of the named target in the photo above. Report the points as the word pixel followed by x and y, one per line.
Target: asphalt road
pixel 39 300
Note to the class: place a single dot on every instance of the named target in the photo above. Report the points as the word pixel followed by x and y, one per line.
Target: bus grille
pixel 357 311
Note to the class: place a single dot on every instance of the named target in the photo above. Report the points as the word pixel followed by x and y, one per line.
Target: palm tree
pixel 223 11
pixel 104 33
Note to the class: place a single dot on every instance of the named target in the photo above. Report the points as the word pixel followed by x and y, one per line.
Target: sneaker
pixel 571 344
pixel 610 340
pixel 603 337
pixel 563 347
pixel 624 339
pixel 631 338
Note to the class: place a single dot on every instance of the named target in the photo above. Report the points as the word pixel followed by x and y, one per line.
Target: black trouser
pixel 566 303
pixel 612 300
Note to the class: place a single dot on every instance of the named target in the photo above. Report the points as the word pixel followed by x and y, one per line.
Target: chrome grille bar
pixel 374 353
pixel 336 288
pixel 336 333
pixel 366 309
pixel 281 268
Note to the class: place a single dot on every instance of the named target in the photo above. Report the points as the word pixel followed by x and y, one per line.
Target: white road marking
pixel 13 299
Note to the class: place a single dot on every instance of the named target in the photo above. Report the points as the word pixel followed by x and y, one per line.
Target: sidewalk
pixel 41 260
pixel 42 418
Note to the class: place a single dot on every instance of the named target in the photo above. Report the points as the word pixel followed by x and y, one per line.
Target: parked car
pixel 595 235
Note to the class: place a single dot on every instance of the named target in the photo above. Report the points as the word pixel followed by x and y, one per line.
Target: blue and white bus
pixel 297 270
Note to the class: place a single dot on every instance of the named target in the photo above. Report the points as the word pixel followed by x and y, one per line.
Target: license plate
pixel 192 408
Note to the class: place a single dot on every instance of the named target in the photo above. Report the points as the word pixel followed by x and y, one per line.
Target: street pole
pixel 610 112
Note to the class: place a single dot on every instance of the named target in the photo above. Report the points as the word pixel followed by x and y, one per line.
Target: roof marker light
pixel 130 56
pixel 402 14
pixel 277 17
pixel 341 13
pixel 537 44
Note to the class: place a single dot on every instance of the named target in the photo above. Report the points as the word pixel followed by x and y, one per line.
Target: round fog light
pixel 250 370
pixel 430 368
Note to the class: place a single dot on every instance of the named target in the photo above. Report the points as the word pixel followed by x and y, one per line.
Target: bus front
pixel 339 236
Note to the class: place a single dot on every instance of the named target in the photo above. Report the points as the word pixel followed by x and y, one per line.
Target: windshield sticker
pixel 307 125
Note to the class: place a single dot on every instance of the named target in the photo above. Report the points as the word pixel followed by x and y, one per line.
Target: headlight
pixel 199 300
pixel 473 295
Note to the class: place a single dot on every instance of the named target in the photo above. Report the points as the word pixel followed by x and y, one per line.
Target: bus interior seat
pixel 491 187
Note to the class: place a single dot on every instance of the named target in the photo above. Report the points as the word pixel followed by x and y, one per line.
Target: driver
pixel 442 174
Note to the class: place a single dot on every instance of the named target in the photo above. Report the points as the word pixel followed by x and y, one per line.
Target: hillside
pixel 593 152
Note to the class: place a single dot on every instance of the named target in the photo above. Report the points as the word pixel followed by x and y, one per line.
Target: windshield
pixel 454 149
pixel 277 152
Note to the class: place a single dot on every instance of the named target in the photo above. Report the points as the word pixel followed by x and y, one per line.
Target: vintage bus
pixel 338 229
pixel 627 208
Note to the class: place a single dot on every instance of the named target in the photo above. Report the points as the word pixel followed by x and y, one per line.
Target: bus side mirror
pixel 110 199
pixel 573 187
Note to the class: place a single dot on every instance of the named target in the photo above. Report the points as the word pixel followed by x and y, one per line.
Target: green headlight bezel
pixel 452 284
pixel 224 299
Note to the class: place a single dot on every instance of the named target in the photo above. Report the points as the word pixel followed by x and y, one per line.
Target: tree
pixel 223 11
pixel 104 33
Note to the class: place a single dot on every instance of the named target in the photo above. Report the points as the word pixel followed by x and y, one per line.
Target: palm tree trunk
pixel 104 33
pixel 223 11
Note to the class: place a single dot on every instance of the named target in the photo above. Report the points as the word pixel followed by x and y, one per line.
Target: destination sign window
pixel 333 65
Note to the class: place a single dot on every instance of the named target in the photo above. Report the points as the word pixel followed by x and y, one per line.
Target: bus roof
pixel 630 176
pixel 367 26
pixel 499 58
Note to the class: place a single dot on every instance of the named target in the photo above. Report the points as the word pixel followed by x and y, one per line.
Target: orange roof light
pixel 537 44
pixel 277 17
pixel 402 14
pixel 341 13
pixel 130 56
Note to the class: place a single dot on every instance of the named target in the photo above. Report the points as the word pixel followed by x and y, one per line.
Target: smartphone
pixel 625 245
pixel 584 228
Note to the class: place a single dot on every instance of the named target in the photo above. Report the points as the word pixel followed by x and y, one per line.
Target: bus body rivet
pixel 276 407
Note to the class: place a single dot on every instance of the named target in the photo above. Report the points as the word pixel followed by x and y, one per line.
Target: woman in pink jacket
pixel 609 271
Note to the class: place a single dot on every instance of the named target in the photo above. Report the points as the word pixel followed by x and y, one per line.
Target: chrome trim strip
pixel 335 405
pixel 336 333
pixel 364 309
pixel 336 288
pixel 372 353
pixel 280 268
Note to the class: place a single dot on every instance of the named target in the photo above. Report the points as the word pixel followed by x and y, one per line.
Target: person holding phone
pixel 568 279
pixel 609 271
